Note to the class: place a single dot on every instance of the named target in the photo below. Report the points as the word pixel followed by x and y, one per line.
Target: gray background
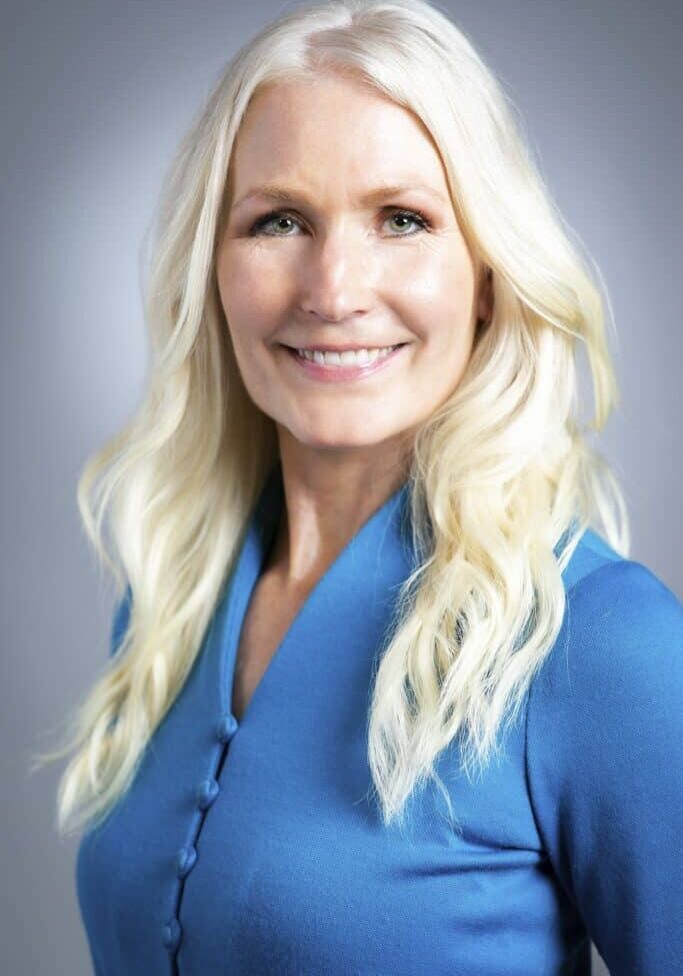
pixel 94 98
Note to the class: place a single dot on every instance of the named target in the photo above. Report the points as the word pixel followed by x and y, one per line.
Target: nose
pixel 336 277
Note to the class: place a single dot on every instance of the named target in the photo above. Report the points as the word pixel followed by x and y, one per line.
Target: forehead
pixel 332 135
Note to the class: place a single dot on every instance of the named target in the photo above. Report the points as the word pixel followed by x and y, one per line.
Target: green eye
pixel 275 216
pixel 418 219
pixel 271 219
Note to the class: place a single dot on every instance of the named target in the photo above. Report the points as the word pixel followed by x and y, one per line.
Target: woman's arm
pixel 605 765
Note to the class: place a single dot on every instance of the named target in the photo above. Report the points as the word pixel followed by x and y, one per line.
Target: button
pixel 172 934
pixel 185 860
pixel 207 793
pixel 226 728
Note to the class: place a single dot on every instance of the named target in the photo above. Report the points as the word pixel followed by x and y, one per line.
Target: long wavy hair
pixel 502 480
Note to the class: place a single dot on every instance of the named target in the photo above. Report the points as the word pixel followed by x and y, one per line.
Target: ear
pixel 485 296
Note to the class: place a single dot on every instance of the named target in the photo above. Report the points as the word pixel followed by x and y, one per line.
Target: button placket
pixel 186 857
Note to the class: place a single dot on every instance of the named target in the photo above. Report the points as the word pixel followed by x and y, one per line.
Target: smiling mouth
pixel 341 357
pixel 348 366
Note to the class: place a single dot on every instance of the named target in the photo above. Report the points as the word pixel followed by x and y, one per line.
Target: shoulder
pixel 609 692
pixel 623 626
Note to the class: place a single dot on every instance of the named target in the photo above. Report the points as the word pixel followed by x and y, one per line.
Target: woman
pixel 386 695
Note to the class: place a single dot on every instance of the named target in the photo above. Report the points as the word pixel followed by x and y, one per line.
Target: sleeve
pixel 605 765
pixel 120 620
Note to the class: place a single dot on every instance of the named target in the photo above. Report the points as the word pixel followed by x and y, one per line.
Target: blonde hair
pixel 502 480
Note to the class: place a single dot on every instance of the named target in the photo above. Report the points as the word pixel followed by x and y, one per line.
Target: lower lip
pixel 330 373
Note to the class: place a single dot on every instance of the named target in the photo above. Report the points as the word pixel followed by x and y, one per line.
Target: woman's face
pixel 335 261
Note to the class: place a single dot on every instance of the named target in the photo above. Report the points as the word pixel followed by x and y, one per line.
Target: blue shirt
pixel 253 847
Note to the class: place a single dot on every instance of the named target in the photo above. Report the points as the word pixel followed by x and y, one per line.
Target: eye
pixel 415 216
pixel 276 215
pixel 279 217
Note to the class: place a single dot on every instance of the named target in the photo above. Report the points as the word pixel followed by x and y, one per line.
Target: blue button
pixel 226 728
pixel 172 934
pixel 185 860
pixel 207 793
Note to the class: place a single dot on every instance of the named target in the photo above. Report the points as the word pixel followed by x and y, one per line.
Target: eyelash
pixel 415 215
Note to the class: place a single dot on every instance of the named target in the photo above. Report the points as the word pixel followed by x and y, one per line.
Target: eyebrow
pixel 282 194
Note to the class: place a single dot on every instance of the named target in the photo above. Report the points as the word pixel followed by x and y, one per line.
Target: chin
pixel 331 438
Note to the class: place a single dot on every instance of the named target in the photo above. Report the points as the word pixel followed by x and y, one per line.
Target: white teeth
pixel 351 357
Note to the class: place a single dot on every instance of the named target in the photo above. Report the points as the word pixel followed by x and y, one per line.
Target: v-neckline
pixel 259 537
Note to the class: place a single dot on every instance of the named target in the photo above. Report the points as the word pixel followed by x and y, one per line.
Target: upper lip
pixel 326 347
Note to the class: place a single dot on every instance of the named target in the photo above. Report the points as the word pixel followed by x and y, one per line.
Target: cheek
pixel 436 298
pixel 253 300
pixel 252 291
